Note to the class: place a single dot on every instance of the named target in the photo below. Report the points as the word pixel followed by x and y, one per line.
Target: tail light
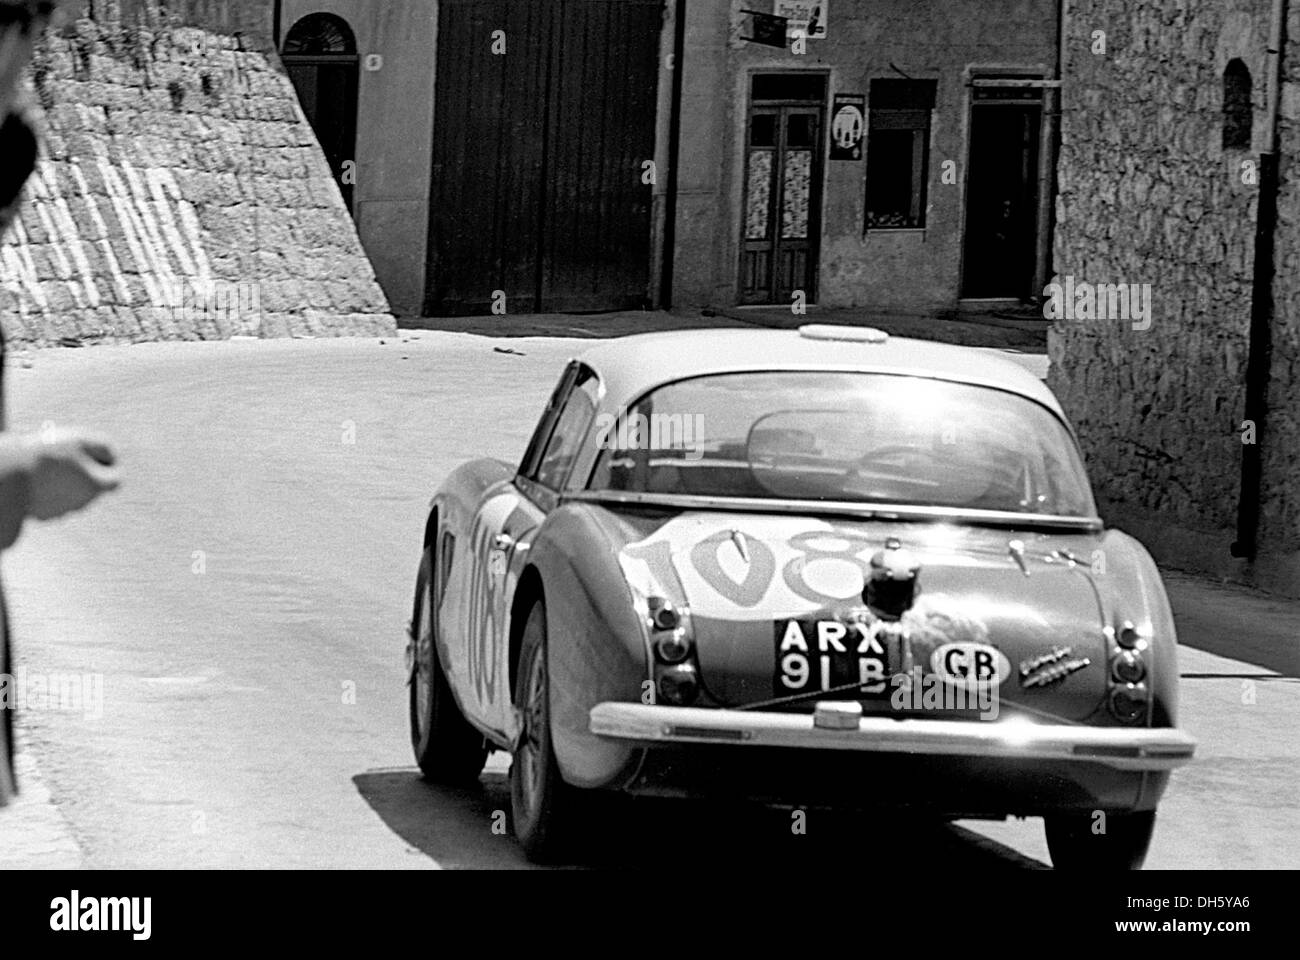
pixel 677 679
pixel 669 631
pixel 673 647
pixel 1128 637
pixel 1128 698
pixel 679 685
pixel 663 615
pixel 1129 702
pixel 1127 667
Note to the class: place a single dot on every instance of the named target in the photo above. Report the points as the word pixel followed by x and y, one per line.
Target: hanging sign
pixel 768 30
pixel 804 17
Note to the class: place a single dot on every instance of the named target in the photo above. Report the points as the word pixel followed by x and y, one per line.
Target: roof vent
pixel 827 331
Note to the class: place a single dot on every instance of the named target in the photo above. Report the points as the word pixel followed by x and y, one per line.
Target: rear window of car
pixel 855 437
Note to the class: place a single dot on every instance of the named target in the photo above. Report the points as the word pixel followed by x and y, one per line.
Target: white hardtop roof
pixel 632 366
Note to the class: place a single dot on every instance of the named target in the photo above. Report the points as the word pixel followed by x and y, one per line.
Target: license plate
pixel 814 655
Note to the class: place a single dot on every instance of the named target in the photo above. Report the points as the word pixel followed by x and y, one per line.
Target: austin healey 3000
pixel 823 567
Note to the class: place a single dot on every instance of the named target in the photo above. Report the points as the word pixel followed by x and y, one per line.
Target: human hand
pixel 69 469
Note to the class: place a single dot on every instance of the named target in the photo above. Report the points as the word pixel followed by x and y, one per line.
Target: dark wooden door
pixel 538 188
pixel 1002 201
pixel 781 216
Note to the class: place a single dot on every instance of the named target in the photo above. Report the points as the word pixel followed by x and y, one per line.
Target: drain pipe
pixel 1049 149
pixel 1259 361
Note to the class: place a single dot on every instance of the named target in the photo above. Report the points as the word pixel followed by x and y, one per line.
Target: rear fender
pixel 1131 588
pixel 451 517
pixel 598 649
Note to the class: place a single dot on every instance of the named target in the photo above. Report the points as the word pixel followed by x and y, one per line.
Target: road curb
pixel 34 835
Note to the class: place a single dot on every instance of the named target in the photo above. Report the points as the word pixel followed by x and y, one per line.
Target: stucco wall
pixel 926 39
pixel 1148 195
pixel 182 194
pixel 394 134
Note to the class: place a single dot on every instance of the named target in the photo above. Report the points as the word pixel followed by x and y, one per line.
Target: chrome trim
pixel 864 511
pixel 1134 749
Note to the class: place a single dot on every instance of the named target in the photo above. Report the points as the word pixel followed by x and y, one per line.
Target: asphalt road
pixel 243 599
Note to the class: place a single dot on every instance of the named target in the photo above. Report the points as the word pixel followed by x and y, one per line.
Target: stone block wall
pixel 182 194
pixel 1149 195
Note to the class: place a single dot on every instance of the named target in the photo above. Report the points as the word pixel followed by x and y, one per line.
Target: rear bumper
pixel 1129 750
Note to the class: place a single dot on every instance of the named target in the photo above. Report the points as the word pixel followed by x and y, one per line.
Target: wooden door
pixel 781 216
pixel 544 119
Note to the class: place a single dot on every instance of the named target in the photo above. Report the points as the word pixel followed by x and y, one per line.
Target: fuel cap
pixel 891 585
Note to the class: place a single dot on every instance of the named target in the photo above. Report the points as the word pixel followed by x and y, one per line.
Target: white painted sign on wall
pixel 144 215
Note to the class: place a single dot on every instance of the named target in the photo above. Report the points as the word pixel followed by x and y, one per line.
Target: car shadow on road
pixel 468 828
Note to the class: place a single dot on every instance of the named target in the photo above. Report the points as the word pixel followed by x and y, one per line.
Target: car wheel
pixel 543 806
pixel 1076 843
pixel 447 748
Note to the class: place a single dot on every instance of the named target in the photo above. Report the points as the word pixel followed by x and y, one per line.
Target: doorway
pixel 1001 237
pixel 320 55
pixel 781 216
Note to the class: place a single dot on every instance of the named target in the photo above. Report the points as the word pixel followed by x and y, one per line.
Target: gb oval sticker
pixel 970 665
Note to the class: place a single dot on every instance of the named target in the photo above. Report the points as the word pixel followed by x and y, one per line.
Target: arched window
pixel 1236 106
pixel 320 54
pixel 320 34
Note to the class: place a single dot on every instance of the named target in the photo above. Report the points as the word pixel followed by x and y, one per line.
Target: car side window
pixel 532 456
pixel 570 429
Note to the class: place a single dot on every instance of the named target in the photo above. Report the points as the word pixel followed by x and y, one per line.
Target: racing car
pixel 822 567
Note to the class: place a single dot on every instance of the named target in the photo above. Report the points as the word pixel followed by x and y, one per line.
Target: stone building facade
pixel 624 178
pixel 1166 127
pixel 182 192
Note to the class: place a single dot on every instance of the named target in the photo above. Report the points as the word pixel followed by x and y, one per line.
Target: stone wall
pixel 183 194
pixel 1149 195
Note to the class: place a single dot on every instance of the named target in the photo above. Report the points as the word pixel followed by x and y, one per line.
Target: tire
pixel 447 748
pixel 1074 846
pixel 545 809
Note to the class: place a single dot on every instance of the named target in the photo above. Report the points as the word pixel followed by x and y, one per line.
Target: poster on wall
pixel 848 123
pixel 804 17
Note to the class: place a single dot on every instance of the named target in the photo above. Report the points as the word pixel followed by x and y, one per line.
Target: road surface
pixel 243 597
